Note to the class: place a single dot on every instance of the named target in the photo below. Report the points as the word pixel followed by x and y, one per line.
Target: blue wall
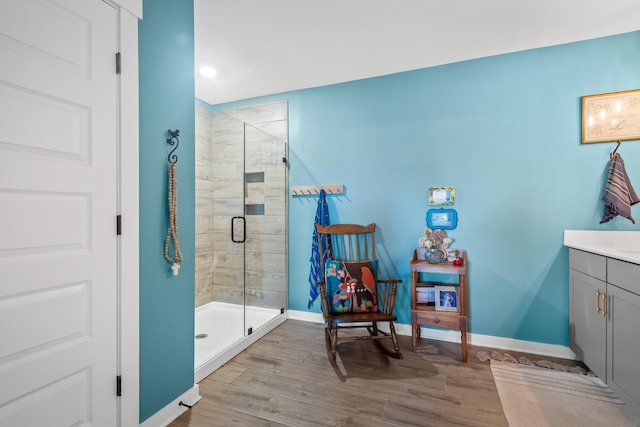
pixel 505 131
pixel 167 90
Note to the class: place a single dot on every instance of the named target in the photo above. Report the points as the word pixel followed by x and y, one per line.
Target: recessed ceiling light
pixel 207 71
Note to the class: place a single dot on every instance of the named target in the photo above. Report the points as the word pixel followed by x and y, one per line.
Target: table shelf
pixel 424 314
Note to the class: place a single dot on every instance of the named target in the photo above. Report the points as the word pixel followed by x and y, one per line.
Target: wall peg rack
pixel 314 190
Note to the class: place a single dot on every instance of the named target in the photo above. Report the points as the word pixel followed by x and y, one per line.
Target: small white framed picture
pixel 442 195
pixel 447 298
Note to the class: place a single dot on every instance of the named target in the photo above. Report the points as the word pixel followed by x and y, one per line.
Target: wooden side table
pixel 424 314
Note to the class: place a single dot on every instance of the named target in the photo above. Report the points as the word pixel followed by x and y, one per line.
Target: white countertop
pixel 622 245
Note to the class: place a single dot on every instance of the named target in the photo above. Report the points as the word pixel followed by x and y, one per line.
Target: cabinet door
pixel 587 328
pixel 623 375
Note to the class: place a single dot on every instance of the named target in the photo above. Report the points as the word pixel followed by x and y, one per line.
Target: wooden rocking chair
pixel 351 245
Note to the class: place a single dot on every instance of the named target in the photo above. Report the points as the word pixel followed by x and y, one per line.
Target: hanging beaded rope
pixel 172 231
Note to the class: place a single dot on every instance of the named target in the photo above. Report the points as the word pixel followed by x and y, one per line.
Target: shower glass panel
pixel 265 209
pixel 241 228
pixel 226 272
pixel 249 174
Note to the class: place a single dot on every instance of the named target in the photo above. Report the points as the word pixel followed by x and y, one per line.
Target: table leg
pixel 415 330
pixel 463 336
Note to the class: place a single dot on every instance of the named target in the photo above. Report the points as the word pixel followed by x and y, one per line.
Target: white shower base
pixel 225 327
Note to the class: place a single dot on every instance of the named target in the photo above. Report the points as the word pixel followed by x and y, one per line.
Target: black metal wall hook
pixel 173 140
pixel 613 153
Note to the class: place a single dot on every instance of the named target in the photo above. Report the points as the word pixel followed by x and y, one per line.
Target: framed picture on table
pixel 447 298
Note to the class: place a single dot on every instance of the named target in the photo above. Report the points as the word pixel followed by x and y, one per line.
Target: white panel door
pixel 58 192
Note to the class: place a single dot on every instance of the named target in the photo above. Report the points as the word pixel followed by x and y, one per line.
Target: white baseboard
pixel 306 316
pixel 542 349
pixel 539 348
pixel 173 410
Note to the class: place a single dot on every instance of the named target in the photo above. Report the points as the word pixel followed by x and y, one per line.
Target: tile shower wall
pixel 204 206
pixel 220 194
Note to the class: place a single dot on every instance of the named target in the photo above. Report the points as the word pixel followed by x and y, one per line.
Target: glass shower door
pixel 241 227
pixel 228 226
pixel 265 225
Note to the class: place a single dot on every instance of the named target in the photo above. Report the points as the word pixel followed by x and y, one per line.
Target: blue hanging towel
pixel 315 273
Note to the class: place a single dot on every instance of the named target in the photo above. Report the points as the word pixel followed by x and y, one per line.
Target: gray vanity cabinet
pixel 623 331
pixel 588 327
pixel 604 315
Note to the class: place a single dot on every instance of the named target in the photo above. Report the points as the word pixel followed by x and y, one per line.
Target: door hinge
pixel 119 385
pixel 118 65
pixel 119 225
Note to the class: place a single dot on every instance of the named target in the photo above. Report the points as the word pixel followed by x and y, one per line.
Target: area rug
pixel 537 397
pixel 543 363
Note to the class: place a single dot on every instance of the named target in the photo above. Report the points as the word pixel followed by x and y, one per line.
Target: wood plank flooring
pixel 286 379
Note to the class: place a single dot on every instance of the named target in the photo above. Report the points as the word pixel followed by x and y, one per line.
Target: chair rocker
pixel 348 247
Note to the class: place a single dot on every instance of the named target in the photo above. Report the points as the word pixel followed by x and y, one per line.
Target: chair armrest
pixel 323 298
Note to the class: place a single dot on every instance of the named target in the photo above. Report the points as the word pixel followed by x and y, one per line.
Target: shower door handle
pixel 244 229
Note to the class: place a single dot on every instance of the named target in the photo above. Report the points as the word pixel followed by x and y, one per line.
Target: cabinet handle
pixel 598 302
pixel 436 320
pixel 604 304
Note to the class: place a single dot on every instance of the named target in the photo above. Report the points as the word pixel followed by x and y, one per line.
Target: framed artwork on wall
pixel 612 116
pixel 444 219
pixel 442 195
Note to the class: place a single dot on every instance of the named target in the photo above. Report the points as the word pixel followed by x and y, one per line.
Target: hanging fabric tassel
pixel 172 231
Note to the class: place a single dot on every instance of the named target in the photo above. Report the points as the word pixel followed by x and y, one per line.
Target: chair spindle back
pixel 348 242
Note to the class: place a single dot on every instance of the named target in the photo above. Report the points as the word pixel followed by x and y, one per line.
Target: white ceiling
pixel 262 47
